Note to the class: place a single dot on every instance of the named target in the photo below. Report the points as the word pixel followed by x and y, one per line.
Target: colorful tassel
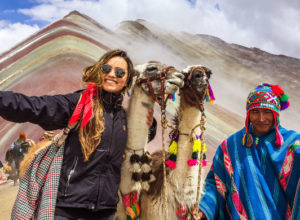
pixel 173 148
pixel 195 155
pixel 284 98
pixel 172 96
pixel 196 149
pixel 133 209
pixel 197 145
pixel 276 89
pixel 171 164
pixel 204 163
pixel 210 95
pixel 278 138
pixel 284 105
pixel 182 212
pixel 130 213
pixel 247 140
pixel 193 162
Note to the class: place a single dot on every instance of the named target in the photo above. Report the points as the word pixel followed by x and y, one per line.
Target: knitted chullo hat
pixel 270 97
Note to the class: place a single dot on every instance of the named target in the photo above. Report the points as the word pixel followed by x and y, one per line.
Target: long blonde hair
pixel 90 135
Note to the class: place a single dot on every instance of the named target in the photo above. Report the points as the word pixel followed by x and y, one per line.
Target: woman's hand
pixel 150 117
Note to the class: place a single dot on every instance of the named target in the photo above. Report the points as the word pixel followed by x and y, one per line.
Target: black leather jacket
pixel 90 185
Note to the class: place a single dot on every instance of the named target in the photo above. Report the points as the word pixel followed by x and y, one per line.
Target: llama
pixel 182 181
pixel 135 171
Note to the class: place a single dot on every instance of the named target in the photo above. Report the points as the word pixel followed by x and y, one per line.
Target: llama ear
pixel 139 69
pixel 136 73
pixel 208 72
pixel 186 74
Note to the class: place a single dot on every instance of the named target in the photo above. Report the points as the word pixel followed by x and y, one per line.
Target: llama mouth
pixel 176 82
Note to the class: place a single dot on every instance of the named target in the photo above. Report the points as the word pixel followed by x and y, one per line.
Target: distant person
pixel 256 171
pixel 45 140
pixel 15 155
pixel 21 144
pixel 93 152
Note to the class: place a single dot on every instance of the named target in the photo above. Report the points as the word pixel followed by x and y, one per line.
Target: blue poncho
pixel 258 182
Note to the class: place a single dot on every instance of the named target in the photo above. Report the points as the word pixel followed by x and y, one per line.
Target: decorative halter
pixel 161 75
pixel 188 89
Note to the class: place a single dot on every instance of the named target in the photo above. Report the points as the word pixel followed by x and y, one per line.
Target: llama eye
pixel 151 68
pixel 198 74
pixel 208 73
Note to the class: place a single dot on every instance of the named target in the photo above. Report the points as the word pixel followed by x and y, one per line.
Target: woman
pixel 90 174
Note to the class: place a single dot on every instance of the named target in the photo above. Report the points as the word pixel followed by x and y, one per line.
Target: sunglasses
pixel 106 68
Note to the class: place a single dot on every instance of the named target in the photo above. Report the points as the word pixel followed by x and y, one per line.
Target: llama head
pixel 151 70
pixel 196 82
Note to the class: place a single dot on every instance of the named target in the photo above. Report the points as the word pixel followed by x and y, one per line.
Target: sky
pixel 273 26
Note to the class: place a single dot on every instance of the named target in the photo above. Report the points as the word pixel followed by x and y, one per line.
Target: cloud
pixel 268 25
pixel 12 34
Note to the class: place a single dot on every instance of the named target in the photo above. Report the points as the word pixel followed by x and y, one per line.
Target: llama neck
pixel 137 112
pixel 189 117
pixel 137 139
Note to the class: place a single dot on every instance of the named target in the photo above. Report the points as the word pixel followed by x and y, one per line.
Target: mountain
pixel 51 62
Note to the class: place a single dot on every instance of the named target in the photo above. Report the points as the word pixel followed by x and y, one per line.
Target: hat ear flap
pixel 278 139
pixel 247 138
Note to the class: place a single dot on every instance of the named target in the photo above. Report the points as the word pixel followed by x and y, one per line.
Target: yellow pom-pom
pixel 197 145
pixel 211 101
pixel 173 148
pixel 204 148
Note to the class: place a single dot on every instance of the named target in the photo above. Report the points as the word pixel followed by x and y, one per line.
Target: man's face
pixel 262 120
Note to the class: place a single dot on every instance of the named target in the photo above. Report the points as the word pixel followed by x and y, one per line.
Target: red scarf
pixel 84 108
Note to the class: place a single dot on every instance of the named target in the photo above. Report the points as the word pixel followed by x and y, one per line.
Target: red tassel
pixel 192 162
pixel 171 164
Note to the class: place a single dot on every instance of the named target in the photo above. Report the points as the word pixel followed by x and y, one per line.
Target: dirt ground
pixel 8 193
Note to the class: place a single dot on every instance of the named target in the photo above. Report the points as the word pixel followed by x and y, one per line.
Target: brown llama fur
pixel 157 170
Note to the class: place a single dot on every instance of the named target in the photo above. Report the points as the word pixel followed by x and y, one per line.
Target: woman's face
pixel 115 74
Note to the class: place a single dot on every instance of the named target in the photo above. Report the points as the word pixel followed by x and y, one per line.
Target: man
pixel 256 171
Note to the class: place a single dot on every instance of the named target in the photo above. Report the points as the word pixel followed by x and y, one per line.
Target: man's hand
pixel 196 213
pixel 150 117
